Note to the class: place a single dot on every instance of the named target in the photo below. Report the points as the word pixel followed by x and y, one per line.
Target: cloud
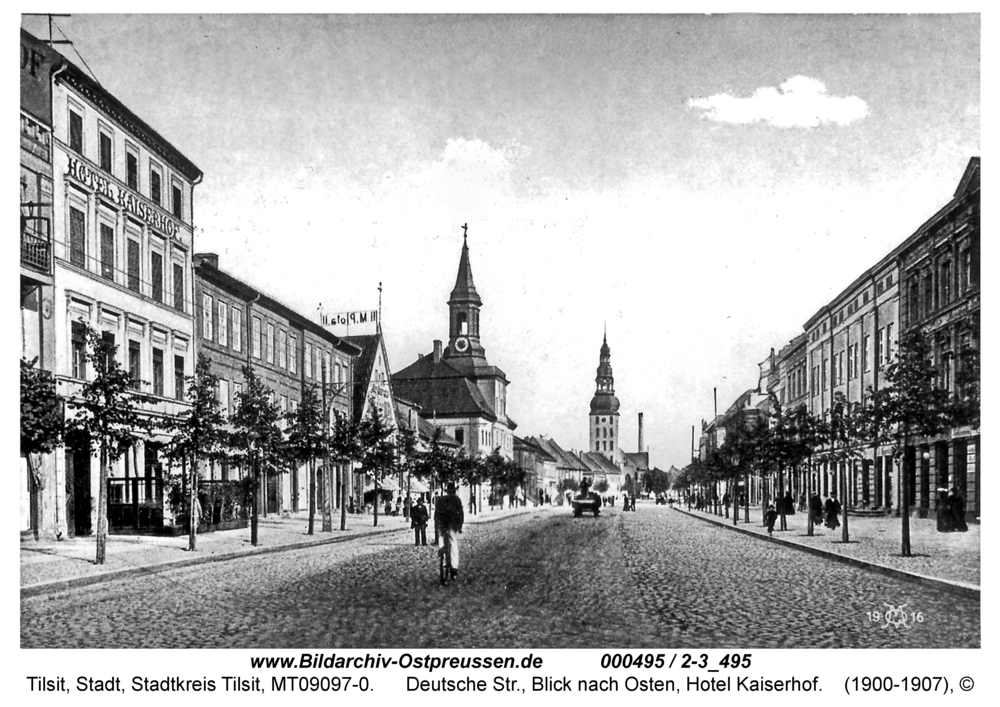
pixel 799 102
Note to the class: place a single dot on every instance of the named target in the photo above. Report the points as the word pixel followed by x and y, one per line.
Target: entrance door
pixel 78 496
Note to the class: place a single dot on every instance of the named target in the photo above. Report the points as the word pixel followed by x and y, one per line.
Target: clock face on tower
pixel 461 344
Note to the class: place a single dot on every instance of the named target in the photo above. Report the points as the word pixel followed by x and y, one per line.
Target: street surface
pixel 653 578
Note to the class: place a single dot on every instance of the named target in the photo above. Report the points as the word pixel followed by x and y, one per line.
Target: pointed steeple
pixel 465 288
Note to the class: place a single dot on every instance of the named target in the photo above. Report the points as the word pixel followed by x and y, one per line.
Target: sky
pixel 700 185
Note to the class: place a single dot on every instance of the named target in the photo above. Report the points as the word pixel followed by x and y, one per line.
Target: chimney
pixel 210 258
pixel 437 351
pixel 641 448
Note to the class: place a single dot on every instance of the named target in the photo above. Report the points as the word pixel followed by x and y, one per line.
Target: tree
pixel 257 435
pixel 810 432
pixel 378 451
pixel 567 484
pixel 198 433
pixel 911 405
pixel 848 438
pixel 436 464
pixel 406 460
pixel 601 486
pixel 656 481
pixel 307 440
pixel 106 416
pixel 344 448
pixel 42 418
pixel 472 471
pixel 964 406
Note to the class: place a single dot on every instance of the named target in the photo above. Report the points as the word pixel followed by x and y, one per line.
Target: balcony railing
pixel 36 249
pixel 135 505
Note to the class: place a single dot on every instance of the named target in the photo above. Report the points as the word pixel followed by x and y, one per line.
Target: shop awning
pixel 417 486
pixel 386 484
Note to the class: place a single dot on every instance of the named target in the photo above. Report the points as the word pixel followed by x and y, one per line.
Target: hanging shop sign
pixel 369 316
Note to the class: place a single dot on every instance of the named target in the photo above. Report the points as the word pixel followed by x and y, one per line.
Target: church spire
pixel 465 288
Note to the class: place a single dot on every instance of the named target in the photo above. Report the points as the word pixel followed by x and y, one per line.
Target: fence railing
pixel 135 504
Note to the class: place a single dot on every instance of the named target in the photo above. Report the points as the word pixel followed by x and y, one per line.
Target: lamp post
pixel 252 450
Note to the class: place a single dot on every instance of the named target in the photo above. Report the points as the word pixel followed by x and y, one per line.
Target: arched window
pixel 597 446
pixel 463 324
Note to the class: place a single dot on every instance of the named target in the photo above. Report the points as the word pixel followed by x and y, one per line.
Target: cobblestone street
pixel 542 579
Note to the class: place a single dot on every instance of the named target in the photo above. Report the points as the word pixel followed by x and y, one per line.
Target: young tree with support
pixel 42 420
pixel 406 461
pixel 910 405
pixel 848 440
pixel 378 451
pixel 107 415
pixel 258 434
pixel 344 447
pixel 198 434
pixel 307 439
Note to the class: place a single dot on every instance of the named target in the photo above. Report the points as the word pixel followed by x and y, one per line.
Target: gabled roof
pixel 564 459
pixel 533 447
pixel 601 462
pixel 370 345
pixel 441 389
pixel 426 431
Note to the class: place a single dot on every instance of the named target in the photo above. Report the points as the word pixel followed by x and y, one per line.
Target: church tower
pixel 604 408
pixel 465 351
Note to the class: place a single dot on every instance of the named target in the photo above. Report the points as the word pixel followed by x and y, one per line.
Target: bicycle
pixel 444 560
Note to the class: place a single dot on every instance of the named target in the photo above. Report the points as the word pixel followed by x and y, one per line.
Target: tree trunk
pixel 102 505
pixel 193 505
pixel 343 498
pixel 312 494
pixel 845 535
pixel 253 501
pixel 329 494
pixel 904 496
pixel 375 503
pixel 781 497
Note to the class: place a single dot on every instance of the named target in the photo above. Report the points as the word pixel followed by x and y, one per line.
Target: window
pixel 78 349
pixel 135 364
pixel 822 371
pixel 840 368
pixel 880 356
pixel 283 349
pixel 460 435
pixel 154 185
pixel 107 252
pixel 317 364
pixel 237 392
pixel 269 343
pixel 105 140
pixel 928 294
pixel 947 361
pixel 945 282
pixel 224 401
pixel 157 371
pixel 888 342
pixel 914 300
pixel 178 287
pixel 133 265
pixel 326 361
pixel 237 329
pixel 175 201
pixel 132 169
pixel 223 325
pixel 179 377
pixel 156 275
pixel 206 316
pixel 75 132
pixel 255 335
pixel 865 345
pixel 308 360
pixel 293 353
pixel 108 338
pixel 77 238
pixel 888 282
pixel 864 297
pixel 966 268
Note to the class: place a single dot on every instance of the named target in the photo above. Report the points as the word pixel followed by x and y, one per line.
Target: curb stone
pixel 969 591
pixel 59 585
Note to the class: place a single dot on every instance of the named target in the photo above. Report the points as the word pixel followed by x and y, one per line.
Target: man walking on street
pixel 449 517
pixel 418 521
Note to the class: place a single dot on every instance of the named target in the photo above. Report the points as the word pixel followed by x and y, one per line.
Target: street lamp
pixel 252 436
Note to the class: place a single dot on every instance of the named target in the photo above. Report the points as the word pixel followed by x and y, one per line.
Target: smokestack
pixel 641 448
pixel 437 351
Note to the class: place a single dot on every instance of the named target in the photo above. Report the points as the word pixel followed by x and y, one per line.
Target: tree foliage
pixel 42 418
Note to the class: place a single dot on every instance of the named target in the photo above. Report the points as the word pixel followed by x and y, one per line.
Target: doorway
pixel 79 501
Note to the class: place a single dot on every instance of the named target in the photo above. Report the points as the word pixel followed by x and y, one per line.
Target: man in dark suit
pixel 418 521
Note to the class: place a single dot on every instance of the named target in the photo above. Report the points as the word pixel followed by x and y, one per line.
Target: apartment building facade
pixel 122 240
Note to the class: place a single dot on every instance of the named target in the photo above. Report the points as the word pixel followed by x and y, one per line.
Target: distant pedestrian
pixel 418 521
pixel 770 517
pixel 789 504
pixel 816 508
pixel 956 505
pixel 726 500
pixel 832 508
pixel 943 512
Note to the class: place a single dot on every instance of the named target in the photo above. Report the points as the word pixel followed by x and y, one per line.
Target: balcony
pixel 36 247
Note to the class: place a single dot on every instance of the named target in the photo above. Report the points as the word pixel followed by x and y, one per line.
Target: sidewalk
pixel 950 560
pixel 49 565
